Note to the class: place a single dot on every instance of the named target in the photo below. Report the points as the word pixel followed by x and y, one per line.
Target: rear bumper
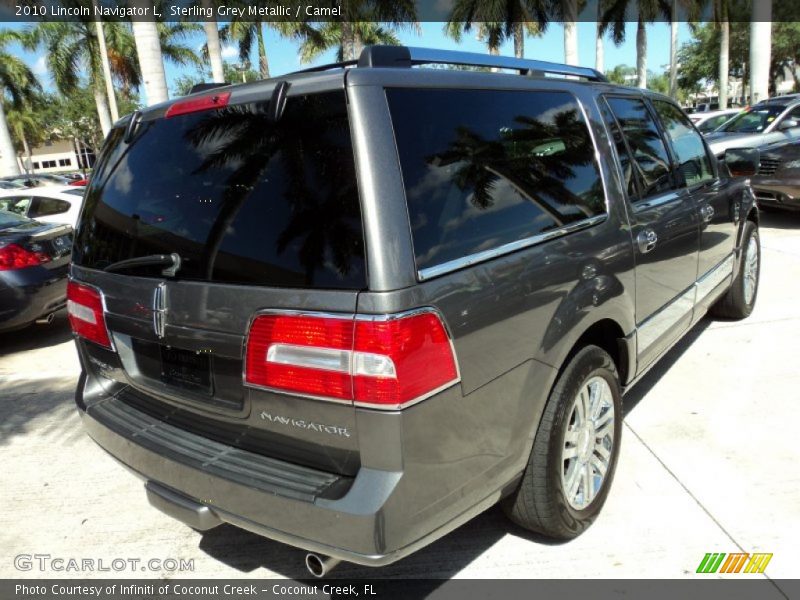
pixel 27 294
pixel 373 519
pixel 777 193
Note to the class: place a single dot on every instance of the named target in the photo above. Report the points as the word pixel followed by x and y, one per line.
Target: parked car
pixel 10 185
pixel 706 122
pixel 38 180
pixel 777 184
pixel 775 121
pixel 353 308
pixel 705 107
pixel 47 204
pixel 34 259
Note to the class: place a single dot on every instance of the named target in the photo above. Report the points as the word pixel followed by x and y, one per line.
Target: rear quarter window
pixel 485 168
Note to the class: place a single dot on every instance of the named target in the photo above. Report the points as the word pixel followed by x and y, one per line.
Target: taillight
pixel 86 315
pixel 384 362
pixel 192 105
pixel 14 257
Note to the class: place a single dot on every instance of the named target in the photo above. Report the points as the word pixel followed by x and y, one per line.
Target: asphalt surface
pixel 709 463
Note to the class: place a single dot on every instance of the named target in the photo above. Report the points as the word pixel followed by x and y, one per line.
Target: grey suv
pixel 350 309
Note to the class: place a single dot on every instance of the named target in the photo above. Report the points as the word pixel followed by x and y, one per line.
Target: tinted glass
pixel 687 144
pixel 755 119
pixel 241 198
pixel 794 114
pixel 48 206
pixel 631 181
pixel 711 124
pixel 17 204
pixel 650 158
pixel 485 168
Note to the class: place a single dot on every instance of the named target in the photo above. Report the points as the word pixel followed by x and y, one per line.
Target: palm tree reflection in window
pixel 539 159
pixel 309 151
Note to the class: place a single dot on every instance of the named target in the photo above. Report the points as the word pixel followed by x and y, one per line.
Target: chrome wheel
pixel 750 273
pixel 588 443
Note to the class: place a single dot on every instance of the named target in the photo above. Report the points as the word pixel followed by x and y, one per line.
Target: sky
pixel 283 53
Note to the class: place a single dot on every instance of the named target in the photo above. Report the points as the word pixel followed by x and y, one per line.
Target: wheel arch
pixel 607 334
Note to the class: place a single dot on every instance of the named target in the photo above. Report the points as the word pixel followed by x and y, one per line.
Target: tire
pixel 738 303
pixel 542 502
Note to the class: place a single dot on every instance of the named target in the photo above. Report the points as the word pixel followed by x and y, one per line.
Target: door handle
pixel 707 212
pixel 646 239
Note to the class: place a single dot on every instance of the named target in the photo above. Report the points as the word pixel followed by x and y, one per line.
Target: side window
pixel 631 180
pixel 17 205
pixel 485 168
pixel 48 206
pixel 794 114
pixel 650 159
pixel 687 144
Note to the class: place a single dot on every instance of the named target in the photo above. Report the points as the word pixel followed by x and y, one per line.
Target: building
pixel 56 156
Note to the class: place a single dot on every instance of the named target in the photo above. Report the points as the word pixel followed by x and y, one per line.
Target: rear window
pixel 486 168
pixel 241 198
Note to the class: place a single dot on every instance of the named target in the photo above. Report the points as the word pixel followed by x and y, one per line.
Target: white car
pixel 708 121
pixel 51 204
pixel 774 121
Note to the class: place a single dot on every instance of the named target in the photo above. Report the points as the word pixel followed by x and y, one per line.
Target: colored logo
pixel 719 562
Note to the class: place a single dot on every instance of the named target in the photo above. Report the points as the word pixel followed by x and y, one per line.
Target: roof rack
pixel 405 57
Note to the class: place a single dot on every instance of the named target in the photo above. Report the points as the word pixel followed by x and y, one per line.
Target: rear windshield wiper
pixel 171 262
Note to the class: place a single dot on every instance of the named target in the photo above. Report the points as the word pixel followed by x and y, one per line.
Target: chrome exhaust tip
pixel 46 320
pixel 319 566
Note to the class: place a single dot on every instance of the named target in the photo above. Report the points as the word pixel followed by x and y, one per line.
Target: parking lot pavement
pixel 708 464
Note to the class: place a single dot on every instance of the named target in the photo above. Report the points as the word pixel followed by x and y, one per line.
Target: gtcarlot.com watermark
pixel 62 564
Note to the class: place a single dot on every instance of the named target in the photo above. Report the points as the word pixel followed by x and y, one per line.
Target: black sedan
pixel 34 260
pixel 777 183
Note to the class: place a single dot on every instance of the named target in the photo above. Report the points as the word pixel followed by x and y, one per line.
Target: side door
pixel 664 225
pixel 716 199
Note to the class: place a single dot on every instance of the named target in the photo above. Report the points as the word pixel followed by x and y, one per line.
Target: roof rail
pixel 406 57
pixel 396 56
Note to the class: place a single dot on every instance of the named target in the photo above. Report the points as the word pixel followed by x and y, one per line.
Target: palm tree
pixel 331 34
pixel 492 33
pixel 614 18
pixel 720 13
pixel 173 48
pixel 245 34
pixel 151 62
pixel 24 125
pixel 498 20
pixel 673 51
pixel 72 48
pixel 356 14
pixel 760 49
pixel 18 82
pixel 599 50
pixel 213 47
pixel 569 13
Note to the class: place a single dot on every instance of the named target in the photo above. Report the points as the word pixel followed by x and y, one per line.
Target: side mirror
pixel 788 123
pixel 742 162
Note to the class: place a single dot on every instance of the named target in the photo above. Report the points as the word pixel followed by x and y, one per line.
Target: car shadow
pixel 637 393
pixel 440 561
pixel 41 407
pixel 36 336
pixel 779 219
